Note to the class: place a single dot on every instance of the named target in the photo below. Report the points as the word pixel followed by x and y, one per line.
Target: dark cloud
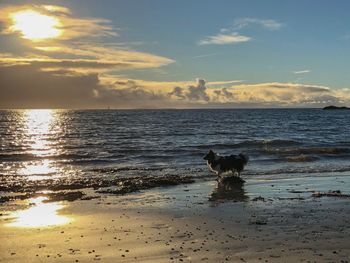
pixel 76 65
pixel 178 92
pixel 224 92
pixel 129 93
pixel 197 93
pixel 25 86
pixel 192 93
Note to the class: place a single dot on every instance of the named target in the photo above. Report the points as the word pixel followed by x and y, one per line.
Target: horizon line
pixel 204 108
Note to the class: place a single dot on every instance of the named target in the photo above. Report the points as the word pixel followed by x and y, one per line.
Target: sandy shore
pixel 269 221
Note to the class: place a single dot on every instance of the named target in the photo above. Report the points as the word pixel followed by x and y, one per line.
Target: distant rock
pixel 332 107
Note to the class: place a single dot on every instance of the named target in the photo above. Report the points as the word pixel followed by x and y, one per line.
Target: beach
pixel 265 221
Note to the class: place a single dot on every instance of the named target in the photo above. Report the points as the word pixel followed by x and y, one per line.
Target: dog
pixel 223 164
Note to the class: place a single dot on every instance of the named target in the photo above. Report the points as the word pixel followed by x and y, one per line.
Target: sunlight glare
pixel 35 26
pixel 39 215
pixel 39 124
pixel 37 170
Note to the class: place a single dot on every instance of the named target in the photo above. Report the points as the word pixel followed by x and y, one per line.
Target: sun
pixel 35 26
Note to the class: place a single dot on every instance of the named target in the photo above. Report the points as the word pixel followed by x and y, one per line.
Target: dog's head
pixel 210 156
pixel 244 157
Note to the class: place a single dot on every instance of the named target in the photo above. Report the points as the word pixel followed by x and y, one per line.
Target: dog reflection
pixel 229 189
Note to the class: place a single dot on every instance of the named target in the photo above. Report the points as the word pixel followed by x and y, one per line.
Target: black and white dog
pixel 223 164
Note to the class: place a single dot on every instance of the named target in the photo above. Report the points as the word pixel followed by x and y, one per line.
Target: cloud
pixel 75 66
pixel 112 53
pixel 24 86
pixel 268 24
pixel 77 69
pixel 223 83
pixel 163 86
pixel 284 94
pixel 27 86
pixel 223 95
pixel 78 49
pixel 70 26
pixel 302 71
pixel 178 92
pixel 272 94
pixel 206 55
pixel 232 35
pixel 223 39
pixel 195 93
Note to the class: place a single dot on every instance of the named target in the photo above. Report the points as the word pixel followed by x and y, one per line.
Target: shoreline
pixel 196 222
pixel 90 188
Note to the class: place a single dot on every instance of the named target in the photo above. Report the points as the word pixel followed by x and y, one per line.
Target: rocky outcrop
pixel 335 108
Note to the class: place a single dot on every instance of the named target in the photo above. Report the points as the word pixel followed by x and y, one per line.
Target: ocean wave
pixel 300 158
pixel 18 157
pixel 275 142
pixel 310 150
pixel 298 170
pixel 249 143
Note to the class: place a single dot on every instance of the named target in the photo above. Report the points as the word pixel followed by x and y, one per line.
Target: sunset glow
pixel 35 26
pixel 67 57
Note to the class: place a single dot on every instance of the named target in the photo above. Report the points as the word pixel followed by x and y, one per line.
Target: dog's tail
pixel 244 157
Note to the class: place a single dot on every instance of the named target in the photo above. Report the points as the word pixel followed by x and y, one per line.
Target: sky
pixel 174 54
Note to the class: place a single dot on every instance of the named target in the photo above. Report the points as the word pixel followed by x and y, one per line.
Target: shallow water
pixel 48 147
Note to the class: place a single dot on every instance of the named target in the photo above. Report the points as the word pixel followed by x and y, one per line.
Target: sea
pixel 72 149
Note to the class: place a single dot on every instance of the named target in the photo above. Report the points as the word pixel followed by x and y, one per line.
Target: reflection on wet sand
pixel 229 189
pixel 40 214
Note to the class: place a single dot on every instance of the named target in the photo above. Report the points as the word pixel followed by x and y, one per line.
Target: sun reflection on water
pixel 40 214
pixel 44 167
pixel 39 128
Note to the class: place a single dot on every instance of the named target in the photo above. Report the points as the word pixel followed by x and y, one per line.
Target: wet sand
pixel 264 221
